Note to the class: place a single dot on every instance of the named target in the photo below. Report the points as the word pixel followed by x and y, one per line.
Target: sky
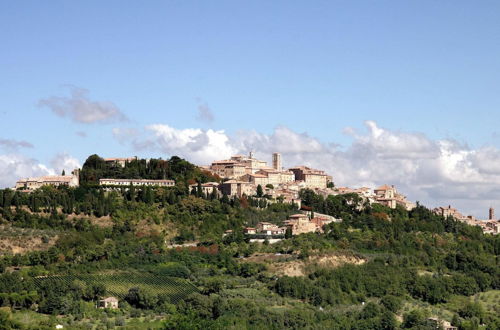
pixel 374 92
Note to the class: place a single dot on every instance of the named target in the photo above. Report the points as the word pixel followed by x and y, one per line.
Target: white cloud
pixel 199 146
pixel 79 108
pixel 63 161
pixel 12 145
pixel 15 166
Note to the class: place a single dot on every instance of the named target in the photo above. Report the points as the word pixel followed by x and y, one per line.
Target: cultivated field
pixel 118 284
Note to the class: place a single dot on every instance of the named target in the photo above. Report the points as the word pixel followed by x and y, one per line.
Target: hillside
pixel 165 253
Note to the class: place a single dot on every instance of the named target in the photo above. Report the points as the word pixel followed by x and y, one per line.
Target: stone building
pixel 277 165
pixel 300 224
pixel 256 179
pixel 269 229
pixel 311 177
pixel 34 183
pixel 276 177
pixel 237 188
pixel 120 161
pixel 206 188
pixel 136 182
pixel 109 302
pixel 448 211
pixel 389 196
pixel 230 169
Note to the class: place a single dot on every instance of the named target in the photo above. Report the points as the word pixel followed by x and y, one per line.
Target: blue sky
pixel 314 67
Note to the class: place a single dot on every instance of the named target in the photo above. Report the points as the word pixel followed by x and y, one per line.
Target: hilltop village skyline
pixel 246 175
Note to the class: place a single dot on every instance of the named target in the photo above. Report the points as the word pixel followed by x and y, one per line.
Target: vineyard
pixel 118 284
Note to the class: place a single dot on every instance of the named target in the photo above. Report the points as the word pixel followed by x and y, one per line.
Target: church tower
pixel 277 161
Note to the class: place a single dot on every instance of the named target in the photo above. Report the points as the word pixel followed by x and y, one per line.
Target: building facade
pixel 237 188
pixel 34 183
pixel 206 188
pixel 389 196
pixel 136 182
pixel 277 165
pixel 311 177
pixel 120 161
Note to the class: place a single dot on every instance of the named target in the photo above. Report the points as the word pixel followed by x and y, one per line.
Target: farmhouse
pixel 109 302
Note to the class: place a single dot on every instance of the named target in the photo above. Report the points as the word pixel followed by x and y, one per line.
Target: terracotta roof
pixel 119 159
pixel 136 180
pixel 110 299
pixel 298 215
pixel 48 178
pixel 224 162
pixel 258 175
pixel 384 187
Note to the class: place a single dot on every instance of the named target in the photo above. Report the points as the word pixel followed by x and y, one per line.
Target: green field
pixel 118 284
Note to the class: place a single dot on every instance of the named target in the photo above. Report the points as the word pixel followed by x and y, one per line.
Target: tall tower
pixel 492 214
pixel 277 161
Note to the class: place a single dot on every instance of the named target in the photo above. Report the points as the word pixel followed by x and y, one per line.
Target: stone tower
pixel 492 214
pixel 277 161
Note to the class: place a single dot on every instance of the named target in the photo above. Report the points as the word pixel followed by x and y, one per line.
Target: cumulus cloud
pixel 63 161
pixel 435 172
pixel 79 108
pixel 199 146
pixel 12 145
pixel 15 166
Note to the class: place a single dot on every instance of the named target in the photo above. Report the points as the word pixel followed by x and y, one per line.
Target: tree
pixel 63 173
pixel 260 192
pixel 472 309
pixel 199 190
pixel 392 303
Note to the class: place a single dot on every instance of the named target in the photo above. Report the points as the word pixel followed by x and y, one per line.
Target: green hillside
pixel 165 254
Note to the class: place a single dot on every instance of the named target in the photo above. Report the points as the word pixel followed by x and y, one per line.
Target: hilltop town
pixel 248 176
pixel 126 241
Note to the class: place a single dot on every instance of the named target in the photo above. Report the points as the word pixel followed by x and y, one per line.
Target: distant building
pixel 252 164
pixel 120 161
pixel 237 166
pixel 389 196
pixel 136 182
pixel 449 211
pixel 256 179
pixel 301 224
pixel 250 231
pixel 237 188
pixel 109 302
pixel 277 177
pixel 277 161
pixel 442 324
pixel 269 229
pixel 311 177
pixel 492 227
pixel 230 169
pixel 206 188
pixel 491 214
pixel 34 183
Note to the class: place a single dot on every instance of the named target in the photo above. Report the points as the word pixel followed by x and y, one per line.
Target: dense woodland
pixel 415 262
